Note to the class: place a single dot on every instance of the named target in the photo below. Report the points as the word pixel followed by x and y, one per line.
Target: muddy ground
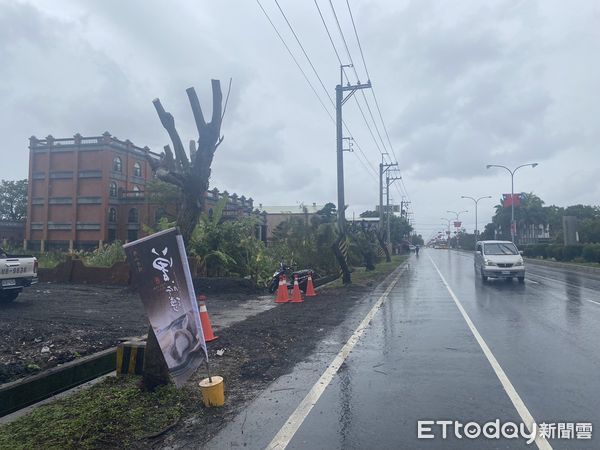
pixel 258 350
pixel 267 343
pixel 50 324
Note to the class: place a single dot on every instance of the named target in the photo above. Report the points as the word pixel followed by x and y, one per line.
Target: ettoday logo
pixel 431 429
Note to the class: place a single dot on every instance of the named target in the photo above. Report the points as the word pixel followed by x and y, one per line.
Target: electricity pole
pixel 339 102
pixel 388 183
pixel 383 168
pixel 341 250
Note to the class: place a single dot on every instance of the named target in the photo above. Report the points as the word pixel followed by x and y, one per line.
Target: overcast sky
pixel 459 84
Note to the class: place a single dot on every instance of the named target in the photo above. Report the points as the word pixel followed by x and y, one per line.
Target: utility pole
pixel 383 168
pixel 339 102
pixel 388 183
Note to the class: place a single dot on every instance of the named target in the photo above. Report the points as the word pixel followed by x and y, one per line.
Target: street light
pixel 457 213
pixel 448 233
pixel 476 201
pixel 512 193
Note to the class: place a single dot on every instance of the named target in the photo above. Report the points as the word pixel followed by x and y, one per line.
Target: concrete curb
pixel 559 265
pixel 27 391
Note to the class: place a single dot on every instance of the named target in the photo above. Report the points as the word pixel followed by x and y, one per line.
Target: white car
pixel 499 259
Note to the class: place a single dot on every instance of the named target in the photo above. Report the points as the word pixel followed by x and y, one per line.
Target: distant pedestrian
pixel 417 250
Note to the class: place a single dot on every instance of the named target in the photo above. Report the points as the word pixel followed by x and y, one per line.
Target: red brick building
pixel 86 191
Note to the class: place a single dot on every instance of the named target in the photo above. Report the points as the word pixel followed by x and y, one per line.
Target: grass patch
pixel 115 414
pixel 362 276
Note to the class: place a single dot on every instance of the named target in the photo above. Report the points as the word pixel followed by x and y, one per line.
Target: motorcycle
pixel 289 275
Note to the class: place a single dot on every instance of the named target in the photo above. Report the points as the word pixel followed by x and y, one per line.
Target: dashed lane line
pixel 516 400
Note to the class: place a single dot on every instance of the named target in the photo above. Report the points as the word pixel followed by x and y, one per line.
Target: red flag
pixel 507 201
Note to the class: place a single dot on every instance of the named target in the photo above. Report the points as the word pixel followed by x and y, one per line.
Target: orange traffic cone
pixel 204 320
pixel 282 292
pixel 310 289
pixel 296 296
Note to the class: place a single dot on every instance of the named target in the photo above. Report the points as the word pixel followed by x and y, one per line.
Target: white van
pixel 498 259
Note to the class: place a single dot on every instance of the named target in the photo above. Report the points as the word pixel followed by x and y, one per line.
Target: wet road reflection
pixel 420 361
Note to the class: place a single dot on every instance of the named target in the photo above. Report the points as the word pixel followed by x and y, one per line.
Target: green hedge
pixel 591 253
pixel 585 252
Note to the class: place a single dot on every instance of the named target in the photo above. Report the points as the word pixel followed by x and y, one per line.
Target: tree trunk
pixel 385 248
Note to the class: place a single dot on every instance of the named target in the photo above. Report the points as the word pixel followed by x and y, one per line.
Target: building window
pixel 113 190
pixel 137 170
pixel 112 215
pixel 136 191
pixel 134 216
pixel 112 235
pixel 117 164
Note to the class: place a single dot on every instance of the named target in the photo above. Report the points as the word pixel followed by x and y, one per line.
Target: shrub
pixel 570 252
pixel 591 253
pixel 556 251
pixel 536 250
pixel 105 256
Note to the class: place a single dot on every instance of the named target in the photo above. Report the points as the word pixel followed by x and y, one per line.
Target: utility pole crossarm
pixel 353 89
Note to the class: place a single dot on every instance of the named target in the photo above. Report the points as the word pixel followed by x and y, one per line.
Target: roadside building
pixel 86 191
pixel 276 215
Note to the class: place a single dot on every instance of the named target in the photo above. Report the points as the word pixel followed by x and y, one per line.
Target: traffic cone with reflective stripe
pixel 204 320
pixel 282 291
pixel 310 289
pixel 296 296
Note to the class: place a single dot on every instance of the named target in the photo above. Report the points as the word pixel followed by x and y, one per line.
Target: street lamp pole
pixel 512 193
pixel 476 201
pixel 448 232
pixel 457 213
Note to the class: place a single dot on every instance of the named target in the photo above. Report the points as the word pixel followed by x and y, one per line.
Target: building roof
pixel 293 209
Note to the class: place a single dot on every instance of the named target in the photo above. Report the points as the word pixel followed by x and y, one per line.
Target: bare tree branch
pixel 226 99
pixel 169 160
pixel 217 105
pixel 196 109
pixel 192 150
pixel 168 123
pixel 219 142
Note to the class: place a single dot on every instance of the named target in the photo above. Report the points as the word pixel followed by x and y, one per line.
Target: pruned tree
pixel 380 234
pixel 190 174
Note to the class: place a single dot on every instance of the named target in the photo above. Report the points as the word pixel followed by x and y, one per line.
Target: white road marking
pixel 534 282
pixel 519 405
pixel 291 426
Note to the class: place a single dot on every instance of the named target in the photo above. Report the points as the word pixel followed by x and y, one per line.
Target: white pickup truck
pixel 16 272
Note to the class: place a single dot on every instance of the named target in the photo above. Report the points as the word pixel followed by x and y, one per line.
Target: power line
pixel 296 61
pixel 344 72
pixel 343 39
pixel 366 164
pixel 372 89
pixel 323 85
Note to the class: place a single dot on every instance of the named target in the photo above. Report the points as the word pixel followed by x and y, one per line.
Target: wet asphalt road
pixel 419 360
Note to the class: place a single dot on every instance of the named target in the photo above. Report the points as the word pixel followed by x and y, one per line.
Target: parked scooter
pixel 289 275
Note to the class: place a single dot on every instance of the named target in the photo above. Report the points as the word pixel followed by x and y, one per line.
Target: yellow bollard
pixel 213 392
